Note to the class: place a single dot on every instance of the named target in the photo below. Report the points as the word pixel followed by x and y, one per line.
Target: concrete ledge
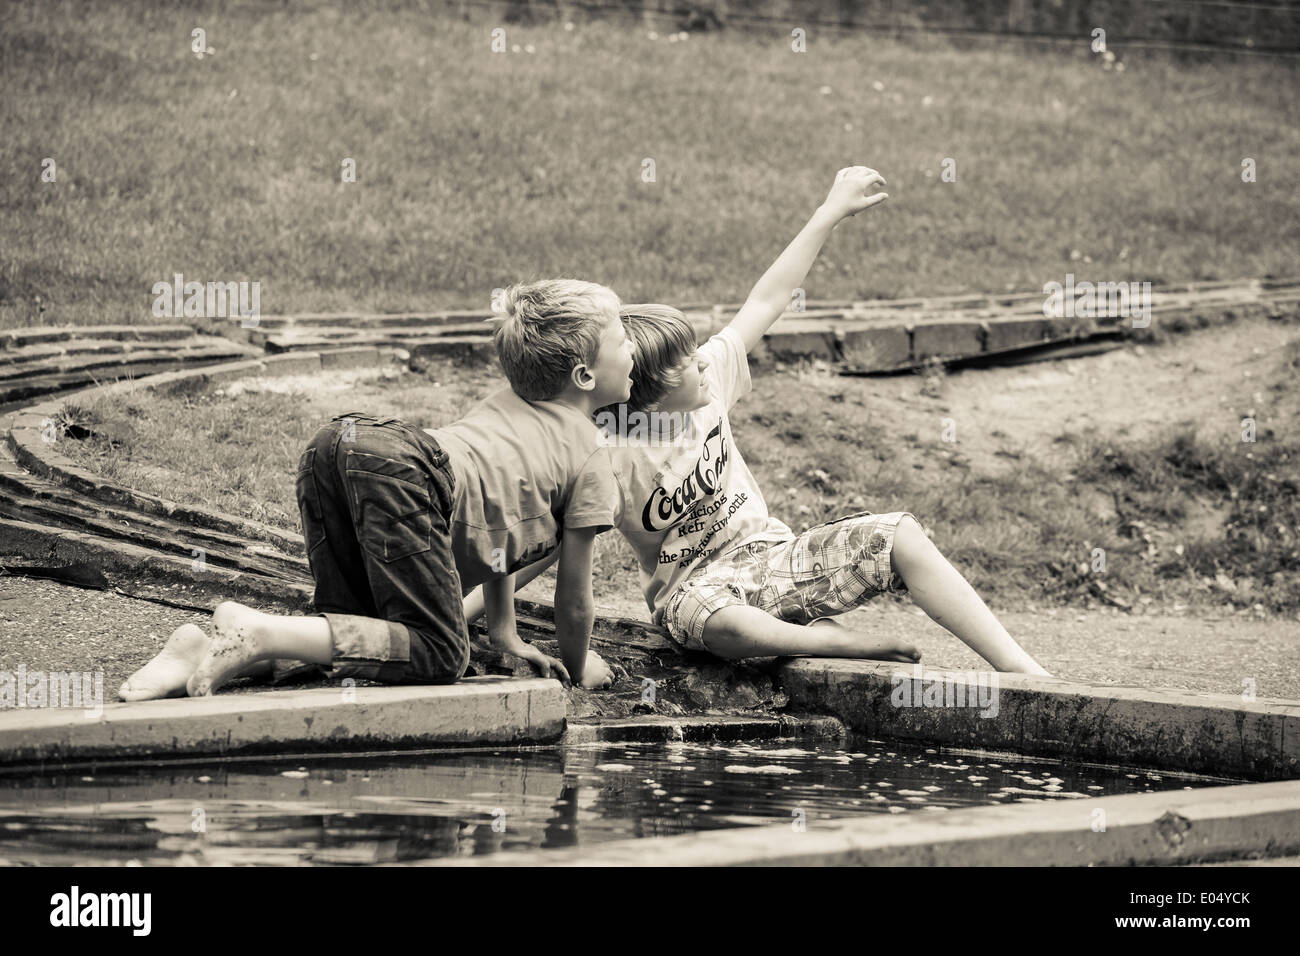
pixel 694 729
pixel 478 710
pixel 1173 730
pixel 1185 826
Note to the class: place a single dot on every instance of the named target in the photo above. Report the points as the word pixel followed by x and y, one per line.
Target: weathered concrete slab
pixel 946 338
pixel 876 348
pixel 1174 730
pixel 293 363
pixel 799 338
pixel 1015 333
pixel 1146 829
pixel 358 357
pixel 479 710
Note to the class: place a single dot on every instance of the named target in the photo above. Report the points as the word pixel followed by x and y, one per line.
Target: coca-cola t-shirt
pixel 691 497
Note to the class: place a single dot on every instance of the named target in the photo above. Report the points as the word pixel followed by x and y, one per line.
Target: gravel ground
pixel 50 626
pixel 56 627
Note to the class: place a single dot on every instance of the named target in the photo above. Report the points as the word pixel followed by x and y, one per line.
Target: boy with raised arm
pixel 718 571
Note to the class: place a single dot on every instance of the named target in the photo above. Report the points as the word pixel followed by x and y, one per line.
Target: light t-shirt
pixel 687 499
pixel 524 471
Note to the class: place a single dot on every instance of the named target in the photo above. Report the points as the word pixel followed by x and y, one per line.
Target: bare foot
pixel 872 647
pixel 236 644
pixel 166 674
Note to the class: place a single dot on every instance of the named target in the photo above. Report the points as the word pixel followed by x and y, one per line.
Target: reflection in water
pixel 336 811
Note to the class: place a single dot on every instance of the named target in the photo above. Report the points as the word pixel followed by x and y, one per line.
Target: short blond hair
pixel 662 339
pixel 546 329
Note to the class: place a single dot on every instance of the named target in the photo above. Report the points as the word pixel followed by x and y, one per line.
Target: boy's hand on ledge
pixel 852 192
pixel 546 665
pixel 509 642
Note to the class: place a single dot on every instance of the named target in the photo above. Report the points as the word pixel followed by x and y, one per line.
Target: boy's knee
pixel 720 623
pixel 909 534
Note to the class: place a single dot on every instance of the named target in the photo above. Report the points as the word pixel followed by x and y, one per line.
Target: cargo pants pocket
pixel 390 506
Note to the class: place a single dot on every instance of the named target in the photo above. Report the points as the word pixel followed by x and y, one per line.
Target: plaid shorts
pixel 827 570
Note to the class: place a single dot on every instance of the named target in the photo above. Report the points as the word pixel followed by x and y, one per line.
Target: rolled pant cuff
pixel 368 647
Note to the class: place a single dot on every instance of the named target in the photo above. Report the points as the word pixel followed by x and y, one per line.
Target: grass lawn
pixel 1051 462
pixel 475 169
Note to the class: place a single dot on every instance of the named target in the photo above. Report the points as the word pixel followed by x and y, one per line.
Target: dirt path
pixel 1210 377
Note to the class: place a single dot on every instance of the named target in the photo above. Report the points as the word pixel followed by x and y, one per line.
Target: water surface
pixel 332 810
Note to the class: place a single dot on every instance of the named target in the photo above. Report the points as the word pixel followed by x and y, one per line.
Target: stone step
pixel 475 711
pixel 475 347
pixel 18 338
pixel 77 350
pixel 24 493
pixel 96 361
pixel 201 546
pixel 142 572
pixel 17 388
pixel 291 340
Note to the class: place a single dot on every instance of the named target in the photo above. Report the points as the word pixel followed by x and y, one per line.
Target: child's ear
pixel 582 378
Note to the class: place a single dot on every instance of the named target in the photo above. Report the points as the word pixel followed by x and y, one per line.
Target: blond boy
pixel 400 523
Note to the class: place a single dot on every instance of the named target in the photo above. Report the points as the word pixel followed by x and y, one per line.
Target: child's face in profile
pixel 612 369
pixel 692 391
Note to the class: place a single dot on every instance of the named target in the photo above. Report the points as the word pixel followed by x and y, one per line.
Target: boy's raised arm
pixel 771 295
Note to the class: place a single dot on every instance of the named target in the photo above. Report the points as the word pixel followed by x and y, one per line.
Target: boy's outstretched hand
pixel 852 191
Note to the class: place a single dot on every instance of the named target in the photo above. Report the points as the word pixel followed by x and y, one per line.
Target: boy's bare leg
pixel 743 631
pixel 952 603
pixel 242 636
pixel 166 674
